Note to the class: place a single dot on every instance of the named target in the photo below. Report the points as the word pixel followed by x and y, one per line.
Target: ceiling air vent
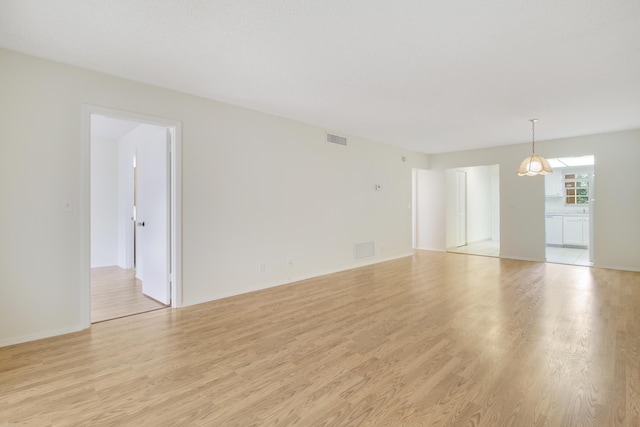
pixel 335 139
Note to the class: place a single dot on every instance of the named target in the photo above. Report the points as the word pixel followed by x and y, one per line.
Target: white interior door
pixel 152 216
pixel 461 180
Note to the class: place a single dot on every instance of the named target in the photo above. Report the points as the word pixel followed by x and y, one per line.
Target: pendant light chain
pixel 533 136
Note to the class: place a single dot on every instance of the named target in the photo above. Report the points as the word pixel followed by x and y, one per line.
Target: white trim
pixel 84 210
pixel 414 202
pixel 431 249
pixel 85 191
pixel 519 258
pixel 299 278
pixel 39 335
pixel 613 267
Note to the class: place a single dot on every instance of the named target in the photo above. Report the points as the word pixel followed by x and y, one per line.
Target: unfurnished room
pixel 336 213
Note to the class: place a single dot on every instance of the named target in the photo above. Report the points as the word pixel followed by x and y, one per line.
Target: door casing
pixel 85 192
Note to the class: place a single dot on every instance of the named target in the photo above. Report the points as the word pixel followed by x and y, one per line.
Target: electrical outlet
pixel 289 262
pixel 262 267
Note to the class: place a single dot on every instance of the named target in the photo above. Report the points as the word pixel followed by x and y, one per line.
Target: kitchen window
pixel 576 188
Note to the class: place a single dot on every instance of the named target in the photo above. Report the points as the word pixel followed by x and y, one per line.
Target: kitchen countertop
pixel 580 214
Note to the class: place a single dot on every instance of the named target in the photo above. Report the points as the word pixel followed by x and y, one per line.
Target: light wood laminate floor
pixel 115 292
pixel 434 339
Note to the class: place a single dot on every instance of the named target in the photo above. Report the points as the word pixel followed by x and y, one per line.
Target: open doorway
pixel 569 211
pixel 133 216
pixel 473 210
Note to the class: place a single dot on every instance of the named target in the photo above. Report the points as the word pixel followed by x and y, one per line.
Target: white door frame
pixel 85 210
pixel 592 213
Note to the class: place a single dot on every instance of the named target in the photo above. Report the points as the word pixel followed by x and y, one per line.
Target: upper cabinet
pixel 553 184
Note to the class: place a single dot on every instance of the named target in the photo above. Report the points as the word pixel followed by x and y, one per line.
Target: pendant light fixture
pixel 534 164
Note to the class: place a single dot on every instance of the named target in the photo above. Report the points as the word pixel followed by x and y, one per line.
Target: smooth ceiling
pixel 432 76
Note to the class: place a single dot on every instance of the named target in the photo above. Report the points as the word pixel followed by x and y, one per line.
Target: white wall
pixel 104 202
pixel 617 229
pixel 255 189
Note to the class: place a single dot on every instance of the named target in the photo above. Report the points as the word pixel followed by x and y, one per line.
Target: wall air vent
pixel 364 250
pixel 335 139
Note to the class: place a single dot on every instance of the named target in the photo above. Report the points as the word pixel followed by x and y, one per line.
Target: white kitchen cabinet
pixel 575 231
pixel 554 230
pixel 572 231
pixel 553 184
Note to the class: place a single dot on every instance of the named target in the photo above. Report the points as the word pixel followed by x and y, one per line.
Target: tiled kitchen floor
pixel 553 254
pixel 568 256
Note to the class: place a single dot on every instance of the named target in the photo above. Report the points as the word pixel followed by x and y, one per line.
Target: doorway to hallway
pixel 473 210
pixel 133 195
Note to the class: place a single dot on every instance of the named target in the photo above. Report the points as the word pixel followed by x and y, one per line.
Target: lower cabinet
pixel 575 231
pixel 554 230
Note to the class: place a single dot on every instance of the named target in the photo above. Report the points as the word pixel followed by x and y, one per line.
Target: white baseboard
pixel 521 258
pixel 615 267
pixel 432 249
pixel 38 336
pixel 294 279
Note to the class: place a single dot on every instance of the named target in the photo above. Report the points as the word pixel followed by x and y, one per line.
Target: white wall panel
pixel 256 190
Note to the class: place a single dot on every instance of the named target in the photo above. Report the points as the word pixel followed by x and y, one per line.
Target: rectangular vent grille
pixel 335 139
pixel 364 250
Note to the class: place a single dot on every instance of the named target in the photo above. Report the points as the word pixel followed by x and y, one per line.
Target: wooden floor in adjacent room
pixel 429 340
pixel 115 292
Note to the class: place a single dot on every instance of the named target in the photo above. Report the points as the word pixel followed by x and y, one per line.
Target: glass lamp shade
pixel 534 165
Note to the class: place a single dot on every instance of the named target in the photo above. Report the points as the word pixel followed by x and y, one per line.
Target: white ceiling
pixel 429 75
